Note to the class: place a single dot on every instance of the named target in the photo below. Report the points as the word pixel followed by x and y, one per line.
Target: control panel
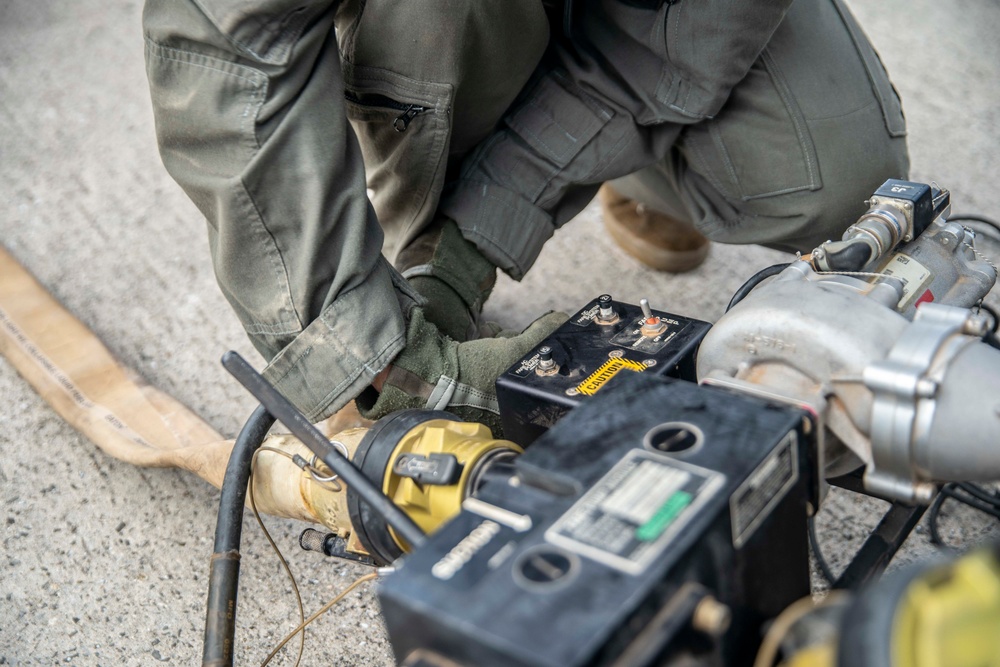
pixel 603 339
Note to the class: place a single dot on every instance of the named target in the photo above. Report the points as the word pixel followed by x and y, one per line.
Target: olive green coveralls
pixel 760 121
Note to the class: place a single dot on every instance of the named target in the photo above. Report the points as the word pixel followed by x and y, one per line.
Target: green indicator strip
pixel 665 516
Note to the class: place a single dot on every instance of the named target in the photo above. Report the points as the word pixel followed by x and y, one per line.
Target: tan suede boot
pixel 655 239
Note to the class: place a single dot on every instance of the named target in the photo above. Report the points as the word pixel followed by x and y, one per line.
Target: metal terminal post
pixel 606 314
pixel 546 364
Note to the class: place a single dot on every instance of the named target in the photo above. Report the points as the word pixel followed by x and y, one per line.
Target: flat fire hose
pixel 128 419
pixel 79 377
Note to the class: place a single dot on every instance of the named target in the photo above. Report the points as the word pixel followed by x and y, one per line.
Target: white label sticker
pixel 915 277
pixel 760 493
pixel 628 519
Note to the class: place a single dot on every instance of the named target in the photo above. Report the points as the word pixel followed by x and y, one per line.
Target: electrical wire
pixel 325 608
pixel 992 313
pixel 932 520
pixel 320 477
pixel 755 280
pixel 980 501
pixel 966 493
pixel 972 217
pixel 283 410
pixel 303 621
pixel 781 626
pixel 284 563
pixel 990 337
pixel 992 499
pixel 824 566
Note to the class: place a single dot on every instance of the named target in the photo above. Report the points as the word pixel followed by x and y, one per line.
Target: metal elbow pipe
pixel 918 402
pixel 964 438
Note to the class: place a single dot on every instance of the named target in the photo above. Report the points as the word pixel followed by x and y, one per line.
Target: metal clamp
pixel 905 384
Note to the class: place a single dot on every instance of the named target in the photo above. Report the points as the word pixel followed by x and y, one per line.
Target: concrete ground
pixel 105 564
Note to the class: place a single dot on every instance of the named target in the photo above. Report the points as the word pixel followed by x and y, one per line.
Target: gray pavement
pixel 102 563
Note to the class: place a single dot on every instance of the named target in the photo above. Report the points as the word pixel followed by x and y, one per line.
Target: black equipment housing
pixel 614 526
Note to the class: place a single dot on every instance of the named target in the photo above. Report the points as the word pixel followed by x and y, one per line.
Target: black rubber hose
pixel 224 575
pixel 310 436
pixel 850 257
pixel 755 280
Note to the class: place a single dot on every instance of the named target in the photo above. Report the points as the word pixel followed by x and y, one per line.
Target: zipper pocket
pixel 402 121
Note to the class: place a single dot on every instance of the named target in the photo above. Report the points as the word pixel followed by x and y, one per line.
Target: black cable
pixel 824 567
pixel 991 338
pixel 311 437
pixel 993 314
pixel 971 217
pixel 932 520
pixel 977 497
pixel 224 575
pixel 982 219
pixel 973 502
pixel 980 493
pixel 755 280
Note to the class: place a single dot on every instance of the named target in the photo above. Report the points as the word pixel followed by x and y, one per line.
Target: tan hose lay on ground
pixel 76 374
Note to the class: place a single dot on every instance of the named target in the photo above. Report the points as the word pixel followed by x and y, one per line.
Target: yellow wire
pixel 792 614
pixel 325 608
pixel 284 563
pixel 310 469
pixel 265 448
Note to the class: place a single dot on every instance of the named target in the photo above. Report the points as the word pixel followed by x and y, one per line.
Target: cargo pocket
pixel 557 120
pixel 759 144
pixel 885 92
pixel 404 128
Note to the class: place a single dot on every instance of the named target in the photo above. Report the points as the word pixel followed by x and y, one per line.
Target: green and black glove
pixel 435 372
pixel 454 277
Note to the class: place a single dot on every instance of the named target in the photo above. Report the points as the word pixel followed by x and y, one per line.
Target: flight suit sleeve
pixel 614 99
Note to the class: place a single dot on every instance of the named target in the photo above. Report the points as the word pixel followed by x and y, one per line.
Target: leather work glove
pixel 435 372
pixel 454 277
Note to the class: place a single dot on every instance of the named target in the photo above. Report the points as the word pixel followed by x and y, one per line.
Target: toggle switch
pixel 652 326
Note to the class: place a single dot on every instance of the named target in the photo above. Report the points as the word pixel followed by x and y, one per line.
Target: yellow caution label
pixel 608 370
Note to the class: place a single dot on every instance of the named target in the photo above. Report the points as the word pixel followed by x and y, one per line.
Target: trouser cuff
pixel 353 339
pixel 508 230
